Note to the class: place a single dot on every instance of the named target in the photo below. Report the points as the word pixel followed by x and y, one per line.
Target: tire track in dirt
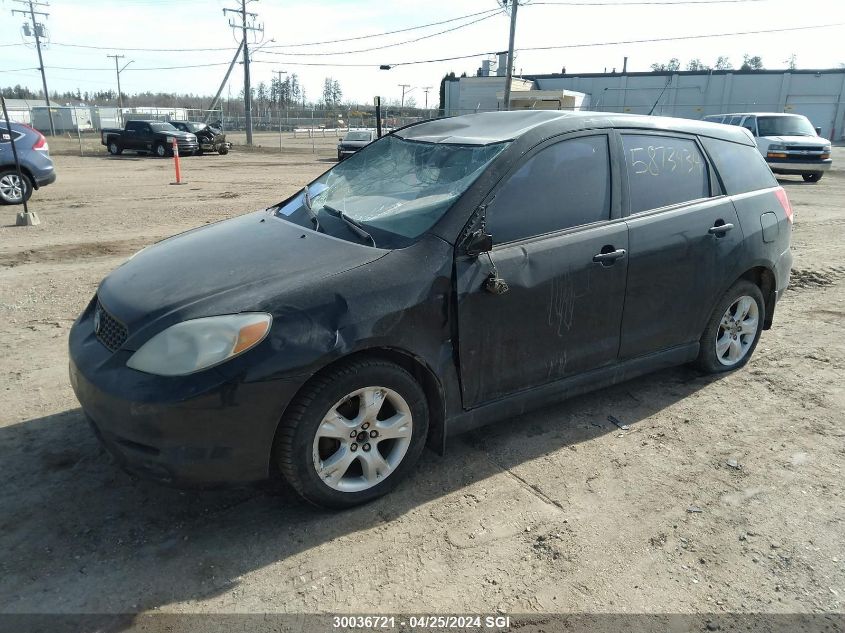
pixel 72 252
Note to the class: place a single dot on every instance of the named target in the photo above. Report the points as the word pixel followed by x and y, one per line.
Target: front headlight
pixel 774 147
pixel 198 344
pixel 826 149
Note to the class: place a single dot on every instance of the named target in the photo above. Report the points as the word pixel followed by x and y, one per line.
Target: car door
pixel 559 245
pixel 129 138
pixel 684 240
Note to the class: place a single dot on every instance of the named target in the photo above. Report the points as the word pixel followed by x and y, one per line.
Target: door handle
pixel 607 258
pixel 720 229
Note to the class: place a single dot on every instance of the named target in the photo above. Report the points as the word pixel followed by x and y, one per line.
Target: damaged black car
pixel 210 138
pixel 453 273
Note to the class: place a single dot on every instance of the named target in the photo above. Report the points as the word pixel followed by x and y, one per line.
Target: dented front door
pixel 561 314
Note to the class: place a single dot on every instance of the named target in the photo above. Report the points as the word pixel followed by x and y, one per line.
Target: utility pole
pixel 119 92
pixel 425 90
pixel 403 86
pixel 509 73
pixel 38 31
pixel 244 27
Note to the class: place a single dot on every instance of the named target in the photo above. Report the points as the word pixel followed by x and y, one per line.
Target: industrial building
pixel 817 94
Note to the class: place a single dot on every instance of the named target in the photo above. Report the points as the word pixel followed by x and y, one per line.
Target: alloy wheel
pixel 11 188
pixel 737 330
pixel 362 439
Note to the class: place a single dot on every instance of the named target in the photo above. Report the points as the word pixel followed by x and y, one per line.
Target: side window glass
pixel 734 120
pixel 663 170
pixel 741 167
pixel 564 185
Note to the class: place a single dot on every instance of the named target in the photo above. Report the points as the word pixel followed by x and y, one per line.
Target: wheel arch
pixel 764 278
pixel 414 365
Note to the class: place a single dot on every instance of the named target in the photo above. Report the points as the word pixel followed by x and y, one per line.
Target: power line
pixel 377 48
pixel 641 41
pixel 218 48
pixel 412 28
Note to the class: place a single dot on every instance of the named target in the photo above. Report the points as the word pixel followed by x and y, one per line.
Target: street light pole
pixel 119 91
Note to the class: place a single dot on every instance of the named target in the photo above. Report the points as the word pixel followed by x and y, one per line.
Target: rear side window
pixel 663 170
pixel 741 167
pixel 5 136
pixel 564 185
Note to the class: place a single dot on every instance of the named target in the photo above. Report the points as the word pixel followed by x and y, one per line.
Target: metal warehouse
pixel 817 94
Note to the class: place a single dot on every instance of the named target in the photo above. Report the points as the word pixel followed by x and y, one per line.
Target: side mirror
pixel 340 139
pixel 819 131
pixel 478 242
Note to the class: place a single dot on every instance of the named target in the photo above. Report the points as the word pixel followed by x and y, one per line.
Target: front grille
pixel 804 148
pixel 109 331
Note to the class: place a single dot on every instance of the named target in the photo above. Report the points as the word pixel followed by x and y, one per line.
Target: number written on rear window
pixel 663 170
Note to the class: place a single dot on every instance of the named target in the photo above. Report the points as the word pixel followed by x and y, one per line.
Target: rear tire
pixel 10 187
pixel 352 433
pixel 733 330
pixel 223 151
pixel 115 149
pixel 814 177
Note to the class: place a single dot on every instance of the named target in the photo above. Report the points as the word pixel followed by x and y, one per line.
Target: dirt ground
pixel 555 511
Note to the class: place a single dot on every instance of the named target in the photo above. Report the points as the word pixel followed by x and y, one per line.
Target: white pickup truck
pixel 788 142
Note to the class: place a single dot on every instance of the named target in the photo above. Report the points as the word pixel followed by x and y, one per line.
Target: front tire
pixel 814 177
pixel 734 329
pixel 352 433
pixel 14 190
pixel 160 150
pixel 115 149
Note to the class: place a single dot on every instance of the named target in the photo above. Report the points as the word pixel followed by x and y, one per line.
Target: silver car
pixel 36 165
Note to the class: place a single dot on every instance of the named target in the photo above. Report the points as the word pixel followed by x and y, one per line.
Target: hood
pixel 799 140
pixel 235 265
pixel 178 133
pixel 354 143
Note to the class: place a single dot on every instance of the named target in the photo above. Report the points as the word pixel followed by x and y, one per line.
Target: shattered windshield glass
pixel 394 189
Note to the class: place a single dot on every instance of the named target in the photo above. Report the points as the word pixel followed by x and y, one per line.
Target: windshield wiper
pixel 352 224
pixel 306 201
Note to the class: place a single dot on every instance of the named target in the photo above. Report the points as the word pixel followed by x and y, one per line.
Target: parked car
pixel 353 141
pixel 151 137
pixel 36 165
pixel 453 273
pixel 211 139
pixel 789 142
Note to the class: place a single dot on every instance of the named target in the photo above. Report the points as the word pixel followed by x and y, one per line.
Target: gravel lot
pixel 555 511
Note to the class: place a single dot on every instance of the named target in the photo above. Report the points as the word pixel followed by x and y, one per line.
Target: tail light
pixel 41 143
pixel 784 202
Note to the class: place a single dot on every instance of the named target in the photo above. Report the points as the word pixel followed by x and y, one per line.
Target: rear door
pixel 560 245
pixel 684 239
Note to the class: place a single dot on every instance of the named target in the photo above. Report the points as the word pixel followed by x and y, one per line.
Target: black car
pixel 354 141
pixel 453 273
pixel 149 137
pixel 211 139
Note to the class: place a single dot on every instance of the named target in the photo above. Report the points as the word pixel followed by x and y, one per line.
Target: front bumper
pixel 214 147
pixel 796 167
pixel 206 429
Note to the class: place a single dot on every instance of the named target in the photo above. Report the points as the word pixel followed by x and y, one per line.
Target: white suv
pixel 788 142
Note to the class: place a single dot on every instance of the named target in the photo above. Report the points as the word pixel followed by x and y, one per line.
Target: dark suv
pixel 453 273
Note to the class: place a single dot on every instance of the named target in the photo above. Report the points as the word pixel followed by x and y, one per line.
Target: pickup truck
pixel 152 137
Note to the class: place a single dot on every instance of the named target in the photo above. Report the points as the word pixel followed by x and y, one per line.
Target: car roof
pixel 494 127
pixel 754 114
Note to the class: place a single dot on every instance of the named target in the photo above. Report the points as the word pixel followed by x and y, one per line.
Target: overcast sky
pixel 122 24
